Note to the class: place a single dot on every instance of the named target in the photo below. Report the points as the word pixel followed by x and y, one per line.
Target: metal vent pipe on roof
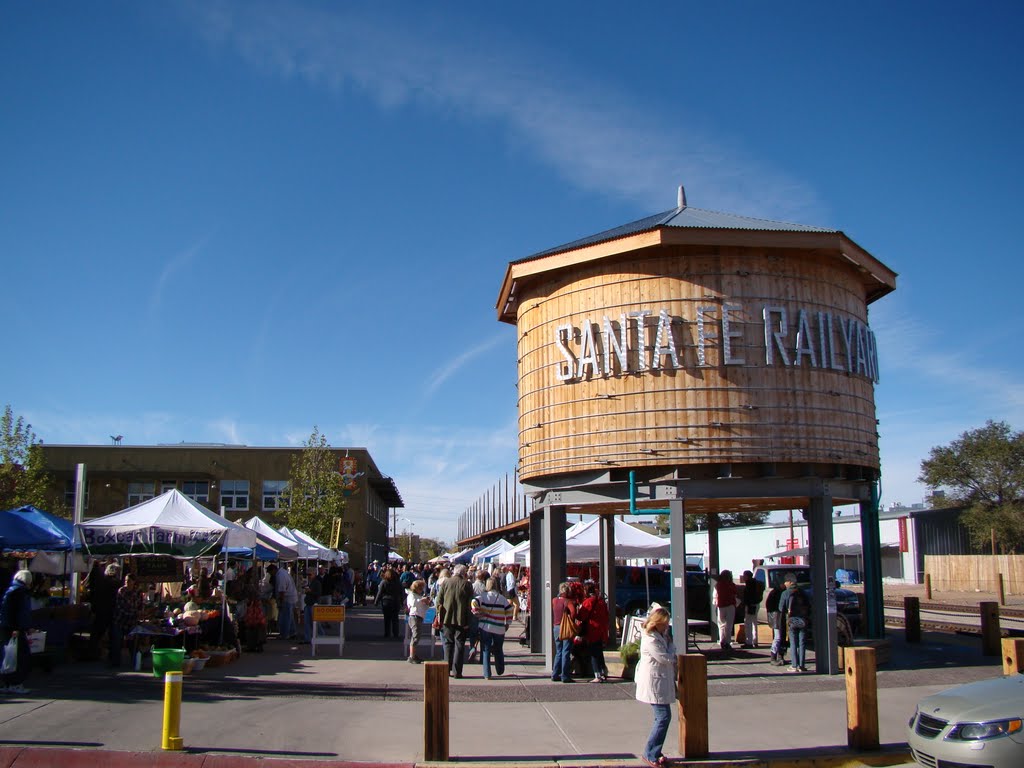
pixel 681 198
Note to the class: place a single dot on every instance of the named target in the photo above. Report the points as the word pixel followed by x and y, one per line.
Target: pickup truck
pixel 631 590
pixel 847 605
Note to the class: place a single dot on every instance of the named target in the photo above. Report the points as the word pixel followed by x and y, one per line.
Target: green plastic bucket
pixel 167 660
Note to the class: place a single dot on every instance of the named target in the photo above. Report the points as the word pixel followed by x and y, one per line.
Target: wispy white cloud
pixel 590 133
pixel 172 266
pixel 449 369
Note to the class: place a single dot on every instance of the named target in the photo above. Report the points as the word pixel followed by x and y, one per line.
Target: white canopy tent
pixel 491 552
pixel 285 547
pixel 584 544
pixel 316 549
pixel 168 524
pixel 394 557
pixel 309 551
pixel 518 555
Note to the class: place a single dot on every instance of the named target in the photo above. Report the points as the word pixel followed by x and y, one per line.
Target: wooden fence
pixel 967 573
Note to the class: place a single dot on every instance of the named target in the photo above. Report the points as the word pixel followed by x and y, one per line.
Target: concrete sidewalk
pixel 368 706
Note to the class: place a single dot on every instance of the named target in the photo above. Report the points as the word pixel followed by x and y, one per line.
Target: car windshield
pixel 803 576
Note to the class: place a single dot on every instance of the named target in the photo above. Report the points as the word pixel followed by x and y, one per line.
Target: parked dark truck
pixel 847 605
pixel 631 590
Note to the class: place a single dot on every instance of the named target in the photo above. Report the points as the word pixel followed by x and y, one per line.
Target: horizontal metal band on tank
pixel 759 390
pixel 581 463
pixel 630 458
pixel 777 442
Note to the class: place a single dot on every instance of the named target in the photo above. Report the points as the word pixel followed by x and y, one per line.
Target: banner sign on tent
pixel 179 542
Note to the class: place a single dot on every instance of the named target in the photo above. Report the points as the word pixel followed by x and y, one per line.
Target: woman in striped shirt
pixel 494 612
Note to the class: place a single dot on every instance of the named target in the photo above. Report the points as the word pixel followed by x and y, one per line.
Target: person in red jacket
pixel 593 618
pixel 725 599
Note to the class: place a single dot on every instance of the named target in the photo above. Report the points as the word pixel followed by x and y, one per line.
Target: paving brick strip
pixel 24 757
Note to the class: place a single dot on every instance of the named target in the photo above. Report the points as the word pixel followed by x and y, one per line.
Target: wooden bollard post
pixel 861 699
pixel 1002 590
pixel 435 710
pixel 692 694
pixel 990 635
pixel 1013 655
pixel 912 619
pixel 928 586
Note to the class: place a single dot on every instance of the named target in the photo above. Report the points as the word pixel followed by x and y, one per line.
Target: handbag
pixel 10 663
pixel 797 622
pixel 567 627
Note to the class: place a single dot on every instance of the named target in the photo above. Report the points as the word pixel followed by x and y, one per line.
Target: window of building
pixel 69 494
pixel 168 485
pixel 275 494
pixel 234 495
pixel 197 490
pixel 140 492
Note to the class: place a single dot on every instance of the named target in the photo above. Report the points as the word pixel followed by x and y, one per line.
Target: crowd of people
pixel 469 607
pixel 473 607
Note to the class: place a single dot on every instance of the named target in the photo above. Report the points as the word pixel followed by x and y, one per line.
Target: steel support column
pixel 536 582
pixel 552 573
pixel 823 583
pixel 606 567
pixel 874 620
pixel 677 539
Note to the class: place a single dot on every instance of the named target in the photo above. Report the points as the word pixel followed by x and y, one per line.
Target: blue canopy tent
pixel 466 556
pixel 259 552
pixel 28 529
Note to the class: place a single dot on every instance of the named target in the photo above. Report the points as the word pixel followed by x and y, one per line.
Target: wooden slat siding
pixel 796 418
pixel 966 573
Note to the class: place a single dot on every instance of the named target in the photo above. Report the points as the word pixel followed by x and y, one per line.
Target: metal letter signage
pixel 791 337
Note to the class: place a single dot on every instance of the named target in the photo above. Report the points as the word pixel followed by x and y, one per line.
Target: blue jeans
pixel 491 643
pixel 561 665
pixel 656 740
pixel 285 614
pixel 798 643
pixel 597 665
pixel 307 615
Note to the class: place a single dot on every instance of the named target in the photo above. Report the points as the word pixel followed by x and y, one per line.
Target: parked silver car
pixel 978 724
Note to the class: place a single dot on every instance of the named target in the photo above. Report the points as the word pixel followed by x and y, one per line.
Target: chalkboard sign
pixel 158 569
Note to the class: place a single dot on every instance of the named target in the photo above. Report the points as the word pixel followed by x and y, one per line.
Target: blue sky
pixel 232 221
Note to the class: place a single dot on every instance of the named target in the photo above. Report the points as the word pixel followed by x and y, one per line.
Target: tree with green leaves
pixel 725 520
pixel 23 479
pixel 984 471
pixel 315 495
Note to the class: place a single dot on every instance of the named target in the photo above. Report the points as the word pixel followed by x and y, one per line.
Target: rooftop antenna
pixel 681 198
pixel 116 439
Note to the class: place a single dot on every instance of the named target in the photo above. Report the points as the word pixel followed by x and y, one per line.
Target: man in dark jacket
pixel 771 606
pixel 454 600
pixel 795 611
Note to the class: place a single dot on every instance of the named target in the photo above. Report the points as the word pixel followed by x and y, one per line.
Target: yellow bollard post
pixel 172 711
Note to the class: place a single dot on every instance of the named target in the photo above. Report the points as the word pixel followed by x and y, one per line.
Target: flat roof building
pixel 245 481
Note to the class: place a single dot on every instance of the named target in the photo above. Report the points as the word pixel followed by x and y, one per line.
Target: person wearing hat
pixel 15 621
pixel 655 678
pixel 795 610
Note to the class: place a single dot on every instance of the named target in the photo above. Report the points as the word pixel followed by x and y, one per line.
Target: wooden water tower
pixel 724 360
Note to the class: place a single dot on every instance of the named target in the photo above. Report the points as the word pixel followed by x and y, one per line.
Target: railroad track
pixel 954 617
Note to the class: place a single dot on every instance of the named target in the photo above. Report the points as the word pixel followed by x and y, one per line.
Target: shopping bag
pixel 567 627
pixel 10 663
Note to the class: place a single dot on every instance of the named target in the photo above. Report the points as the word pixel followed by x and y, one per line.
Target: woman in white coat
pixel 656 680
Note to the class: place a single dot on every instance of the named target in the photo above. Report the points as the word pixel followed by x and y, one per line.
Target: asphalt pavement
pixel 367 706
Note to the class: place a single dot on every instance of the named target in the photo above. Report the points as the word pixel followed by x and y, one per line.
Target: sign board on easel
pixel 325 617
